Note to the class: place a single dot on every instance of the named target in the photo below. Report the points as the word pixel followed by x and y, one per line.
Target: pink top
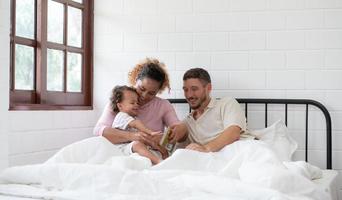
pixel 156 114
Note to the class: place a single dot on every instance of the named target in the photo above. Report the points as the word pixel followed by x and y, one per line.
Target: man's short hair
pixel 198 73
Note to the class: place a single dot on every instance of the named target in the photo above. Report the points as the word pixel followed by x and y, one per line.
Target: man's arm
pixel 228 136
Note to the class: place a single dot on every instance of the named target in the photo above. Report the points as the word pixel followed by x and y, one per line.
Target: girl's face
pixel 147 89
pixel 129 103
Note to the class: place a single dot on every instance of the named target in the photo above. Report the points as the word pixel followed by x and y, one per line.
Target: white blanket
pixel 96 169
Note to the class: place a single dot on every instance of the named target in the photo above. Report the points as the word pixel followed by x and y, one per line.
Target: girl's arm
pixel 137 124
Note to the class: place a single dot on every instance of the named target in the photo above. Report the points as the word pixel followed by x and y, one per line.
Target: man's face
pixel 196 92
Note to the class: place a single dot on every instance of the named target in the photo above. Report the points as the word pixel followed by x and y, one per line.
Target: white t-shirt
pixel 122 120
pixel 219 115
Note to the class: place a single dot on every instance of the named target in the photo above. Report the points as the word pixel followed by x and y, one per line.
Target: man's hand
pixel 197 147
pixel 179 133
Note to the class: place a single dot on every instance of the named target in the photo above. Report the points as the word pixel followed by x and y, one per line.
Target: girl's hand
pixel 156 137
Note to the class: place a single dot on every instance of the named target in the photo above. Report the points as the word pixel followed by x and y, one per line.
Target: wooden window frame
pixel 39 98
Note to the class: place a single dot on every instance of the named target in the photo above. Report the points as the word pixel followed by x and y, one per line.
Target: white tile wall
pixel 185 60
pixel 305 59
pixel 146 7
pixel 286 5
pixel 332 19
pixel 213 6
pixel 175 6
pixel 230 22
pixel 210 42
pixel 304 20
pixel 333 59
pixel 175 42
pixel 140 42
pixel 252 48
pixel 268 21
pixel 193 23
pixel 162 24
pixel 247 40
pixel 248 5
pixel 324 39
pixel 232 60
pixel 286 40
pixel 264 60
pixel 285 80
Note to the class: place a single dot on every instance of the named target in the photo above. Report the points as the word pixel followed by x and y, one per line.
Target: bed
pixel 329 178
pixel 77 171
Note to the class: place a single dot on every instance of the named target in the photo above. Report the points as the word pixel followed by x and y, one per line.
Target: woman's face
pixel 147 89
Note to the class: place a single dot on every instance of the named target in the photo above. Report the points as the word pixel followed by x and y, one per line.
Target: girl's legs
pixel 142 150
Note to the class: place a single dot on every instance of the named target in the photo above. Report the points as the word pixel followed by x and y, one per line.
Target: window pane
pixel 24 67
pixel 74 27
pixel 74 73
pixel 24 21
pixel 55 70
pixel 55 22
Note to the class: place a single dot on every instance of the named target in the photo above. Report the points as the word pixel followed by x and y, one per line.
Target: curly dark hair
pixel 118 95
pixel 153 69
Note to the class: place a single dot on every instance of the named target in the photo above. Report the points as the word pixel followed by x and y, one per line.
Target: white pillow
pixel 277 137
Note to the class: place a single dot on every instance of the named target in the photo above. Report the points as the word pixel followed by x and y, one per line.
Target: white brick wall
pixel 252 48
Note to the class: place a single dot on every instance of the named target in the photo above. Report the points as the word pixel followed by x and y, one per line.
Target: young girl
pixel 124 102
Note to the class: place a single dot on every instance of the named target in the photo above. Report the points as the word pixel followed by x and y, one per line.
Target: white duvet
pixel 95 169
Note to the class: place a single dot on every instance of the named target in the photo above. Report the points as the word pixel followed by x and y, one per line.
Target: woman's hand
pixel 142 137
pixel 179 133
pixel 157 137
pixel 150 140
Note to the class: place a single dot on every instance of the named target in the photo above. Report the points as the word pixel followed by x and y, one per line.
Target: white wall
pixel 252 48
pixel 33 136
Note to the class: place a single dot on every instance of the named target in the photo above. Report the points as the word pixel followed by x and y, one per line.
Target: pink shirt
pixel 155 114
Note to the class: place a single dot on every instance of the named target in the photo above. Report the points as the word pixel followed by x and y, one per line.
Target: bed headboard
pixel 286 102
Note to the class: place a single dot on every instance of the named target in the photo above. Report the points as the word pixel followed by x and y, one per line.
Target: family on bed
pixel 135 117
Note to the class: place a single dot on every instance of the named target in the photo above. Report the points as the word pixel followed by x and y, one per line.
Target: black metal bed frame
pixel 287 102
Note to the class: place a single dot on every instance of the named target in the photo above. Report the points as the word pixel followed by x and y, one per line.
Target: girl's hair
pixel 118 95
pixel 153 69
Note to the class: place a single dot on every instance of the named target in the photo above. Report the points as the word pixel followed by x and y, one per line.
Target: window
pixel 51 54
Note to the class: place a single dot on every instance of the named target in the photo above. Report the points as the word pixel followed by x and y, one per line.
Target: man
pixel 212 124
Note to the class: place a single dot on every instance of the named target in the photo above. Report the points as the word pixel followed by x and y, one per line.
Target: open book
pixel 165 141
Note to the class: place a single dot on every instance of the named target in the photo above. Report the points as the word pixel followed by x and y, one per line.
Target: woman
pixel 149 78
